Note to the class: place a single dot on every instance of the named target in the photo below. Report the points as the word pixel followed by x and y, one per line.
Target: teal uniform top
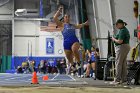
pixel 124 35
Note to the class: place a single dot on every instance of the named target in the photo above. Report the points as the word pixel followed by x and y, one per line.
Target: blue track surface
pixel 25 79
pixel 7 79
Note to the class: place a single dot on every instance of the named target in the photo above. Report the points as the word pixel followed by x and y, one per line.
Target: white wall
pixel 25 32
pixel 21 46
pixel 104 24
pixel 27 27
pixel 58 43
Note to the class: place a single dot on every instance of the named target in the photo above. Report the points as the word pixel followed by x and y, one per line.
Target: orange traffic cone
pixel 45 78
pixel 34 78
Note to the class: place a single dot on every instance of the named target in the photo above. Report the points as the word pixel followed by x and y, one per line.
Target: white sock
pixel 93 75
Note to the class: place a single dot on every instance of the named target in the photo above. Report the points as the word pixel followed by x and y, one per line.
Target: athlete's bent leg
pixel 75 47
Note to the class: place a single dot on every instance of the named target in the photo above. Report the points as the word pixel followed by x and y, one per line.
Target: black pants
pixel 137 77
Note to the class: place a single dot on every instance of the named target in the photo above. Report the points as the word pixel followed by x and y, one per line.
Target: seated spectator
pixel 58 65
pixel 19 70
pixel 25 67
pixel 52 66
pixel 32 66
pixel 61 65
pixel 42 67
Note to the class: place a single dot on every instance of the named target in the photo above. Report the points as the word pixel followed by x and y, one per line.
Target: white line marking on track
pixel 54 77
pixel 3 77
pixel 16 77
pixel 71 77
pixel 85 82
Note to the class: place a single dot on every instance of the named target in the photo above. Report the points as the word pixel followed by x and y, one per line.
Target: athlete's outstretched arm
pixel 55 17
pixel 79 26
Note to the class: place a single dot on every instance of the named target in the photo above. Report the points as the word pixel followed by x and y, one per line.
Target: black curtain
pixel 111 49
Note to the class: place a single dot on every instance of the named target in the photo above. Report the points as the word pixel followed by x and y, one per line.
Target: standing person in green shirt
pixel 121 40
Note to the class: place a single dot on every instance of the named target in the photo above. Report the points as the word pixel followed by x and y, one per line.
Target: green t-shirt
pixel 124 35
